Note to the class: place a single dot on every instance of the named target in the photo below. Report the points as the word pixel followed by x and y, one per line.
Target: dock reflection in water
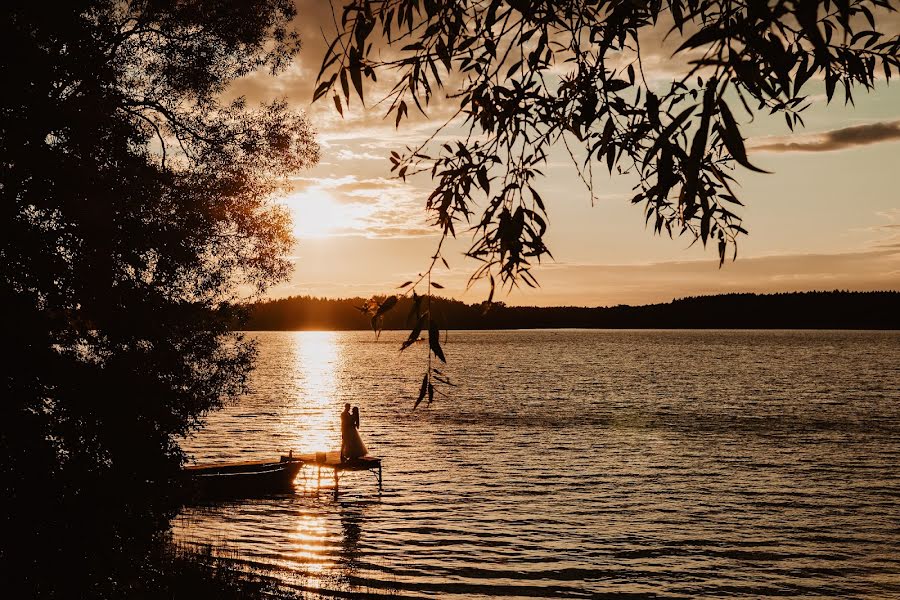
pixel 577 464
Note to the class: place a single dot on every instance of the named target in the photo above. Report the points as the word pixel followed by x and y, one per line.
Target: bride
pixel 353 446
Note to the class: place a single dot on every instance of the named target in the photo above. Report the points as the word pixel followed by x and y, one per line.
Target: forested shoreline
pixel 794 310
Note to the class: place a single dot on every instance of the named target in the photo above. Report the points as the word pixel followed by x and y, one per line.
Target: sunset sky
pixel 827 218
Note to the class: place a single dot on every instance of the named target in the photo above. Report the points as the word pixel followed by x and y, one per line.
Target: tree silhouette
pixel 135 205
pixel 794 310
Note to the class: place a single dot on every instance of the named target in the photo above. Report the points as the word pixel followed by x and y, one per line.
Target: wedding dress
pixel 353 444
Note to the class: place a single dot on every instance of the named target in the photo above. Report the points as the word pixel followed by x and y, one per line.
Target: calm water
pixel 578 464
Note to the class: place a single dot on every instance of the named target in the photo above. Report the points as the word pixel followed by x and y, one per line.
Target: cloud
pixel 836 139
pixel 373 207
pixel 888 234
pixel 346 154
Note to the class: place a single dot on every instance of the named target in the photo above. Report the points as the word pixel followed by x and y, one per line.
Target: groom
pixel 346 421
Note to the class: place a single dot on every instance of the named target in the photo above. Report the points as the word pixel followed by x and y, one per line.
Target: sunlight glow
pixel 316 214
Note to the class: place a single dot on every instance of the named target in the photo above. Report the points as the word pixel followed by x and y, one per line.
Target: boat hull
pixel 242 479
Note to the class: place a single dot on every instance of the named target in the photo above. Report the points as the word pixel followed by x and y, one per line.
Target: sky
pixel 828 217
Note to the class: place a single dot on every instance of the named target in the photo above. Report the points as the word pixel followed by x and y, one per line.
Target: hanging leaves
pixel 377 310
pixel 678 141
pixel 420 318
pixel 762 56
pixel 434 340
pixel 666 137
pixel 422 390
pixel 414 333
pixel 733 140
pixel 389 303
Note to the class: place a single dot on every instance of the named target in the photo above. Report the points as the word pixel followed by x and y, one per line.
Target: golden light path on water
pixel 316 358
pixel 305 406
pixel 309 540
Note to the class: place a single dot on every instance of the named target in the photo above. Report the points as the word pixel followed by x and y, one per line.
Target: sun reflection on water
pixel 317 356
pixel 316 426
pixel 310 549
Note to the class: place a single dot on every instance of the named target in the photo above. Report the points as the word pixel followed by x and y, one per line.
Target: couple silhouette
pixel 352 445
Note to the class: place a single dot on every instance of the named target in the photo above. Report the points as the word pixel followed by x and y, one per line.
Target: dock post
pixel 336 483
pixel 319 482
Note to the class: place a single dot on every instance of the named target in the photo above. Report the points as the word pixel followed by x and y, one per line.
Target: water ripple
pixel 577 464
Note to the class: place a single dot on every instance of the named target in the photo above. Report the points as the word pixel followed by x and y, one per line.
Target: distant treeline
pixel 797 310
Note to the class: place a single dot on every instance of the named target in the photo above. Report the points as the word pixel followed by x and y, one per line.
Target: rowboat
pixel 259 478
pixel 243 478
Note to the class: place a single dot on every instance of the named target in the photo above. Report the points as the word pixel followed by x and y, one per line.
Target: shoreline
pixel 835 310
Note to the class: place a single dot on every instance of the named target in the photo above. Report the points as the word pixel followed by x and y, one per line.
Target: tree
pixel 136 206
pixel 525 76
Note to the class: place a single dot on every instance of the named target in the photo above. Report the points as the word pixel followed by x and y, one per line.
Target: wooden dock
pixel 332 460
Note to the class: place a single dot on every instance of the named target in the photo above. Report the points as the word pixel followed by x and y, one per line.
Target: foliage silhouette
pixel 135 203
pixel 522 77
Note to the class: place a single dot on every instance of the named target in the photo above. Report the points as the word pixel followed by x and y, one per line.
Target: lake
pixel 576 464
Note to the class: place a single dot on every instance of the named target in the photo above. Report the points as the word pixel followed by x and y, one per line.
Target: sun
pixel 316 214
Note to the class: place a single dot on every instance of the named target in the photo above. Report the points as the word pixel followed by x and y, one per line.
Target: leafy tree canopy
pixel 135 203
pixel 525 76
